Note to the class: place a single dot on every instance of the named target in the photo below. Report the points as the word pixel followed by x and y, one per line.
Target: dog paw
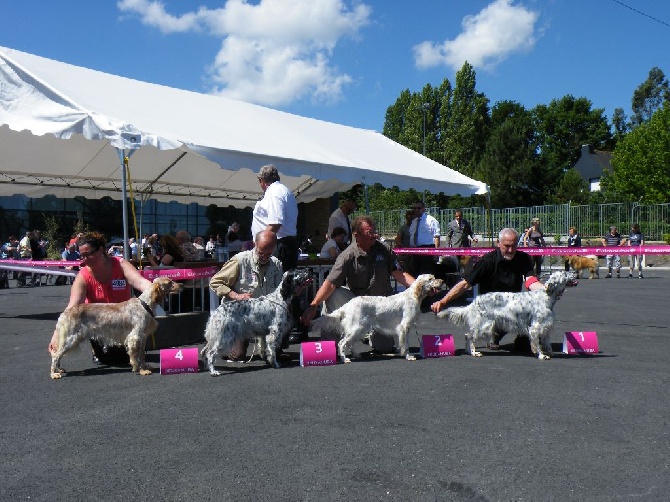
pixel 57 375
pixel 215 373
pixel 410 357
pixel 145 371
pixel 476 354
pixel 347 360
pixel 543 356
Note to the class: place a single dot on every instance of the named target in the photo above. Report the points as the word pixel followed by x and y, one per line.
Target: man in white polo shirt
pixel 277 211
pixel 424 232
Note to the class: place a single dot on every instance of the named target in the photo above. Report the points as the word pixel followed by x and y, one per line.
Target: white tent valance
pixel 189 147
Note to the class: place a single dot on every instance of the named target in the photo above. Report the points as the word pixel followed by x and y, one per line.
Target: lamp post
pixel 424 109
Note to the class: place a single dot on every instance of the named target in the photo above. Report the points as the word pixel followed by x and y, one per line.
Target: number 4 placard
pixel 580 342
pixel 180 360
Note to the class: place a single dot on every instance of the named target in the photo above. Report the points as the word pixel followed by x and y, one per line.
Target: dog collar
pixel 147 308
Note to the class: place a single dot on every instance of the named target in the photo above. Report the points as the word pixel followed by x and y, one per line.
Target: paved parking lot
pixel 502 427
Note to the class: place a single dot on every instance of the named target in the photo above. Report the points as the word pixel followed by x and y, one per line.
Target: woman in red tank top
pixel 102 278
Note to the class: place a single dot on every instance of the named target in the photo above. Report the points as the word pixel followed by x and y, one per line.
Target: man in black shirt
pixel 501 270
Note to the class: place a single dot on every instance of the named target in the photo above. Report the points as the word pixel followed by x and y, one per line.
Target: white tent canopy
pixel 190 147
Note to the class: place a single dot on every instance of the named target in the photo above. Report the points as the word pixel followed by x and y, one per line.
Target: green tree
pixel 465 128
pixel 620 124
pixel 562 127
pixel 641 163
pixel 572 188
pixel 650 96
pixel 509 161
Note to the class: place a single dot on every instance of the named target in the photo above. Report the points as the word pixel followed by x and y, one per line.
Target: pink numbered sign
pixel 437 346
pixel 580 342
pixel 184 360
pixel 318 353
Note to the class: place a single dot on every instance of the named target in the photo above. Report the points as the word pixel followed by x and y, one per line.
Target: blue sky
pixel 346 61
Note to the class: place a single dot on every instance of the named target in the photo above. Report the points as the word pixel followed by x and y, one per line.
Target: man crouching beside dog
pixel 366 268
pixel 501 270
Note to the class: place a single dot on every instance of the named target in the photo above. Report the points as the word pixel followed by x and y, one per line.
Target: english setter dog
pixel 127 323
pixel 267 317
pixel 382 315
pixel 528 313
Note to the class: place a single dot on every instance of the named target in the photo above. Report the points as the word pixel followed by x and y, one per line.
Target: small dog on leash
pixel 127 323
pixel 267 317
pixel 528 313
pixel 383 315
pixel 581 263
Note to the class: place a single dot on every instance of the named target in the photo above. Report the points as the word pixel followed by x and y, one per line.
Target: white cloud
pixel 489 37
pixel 272 52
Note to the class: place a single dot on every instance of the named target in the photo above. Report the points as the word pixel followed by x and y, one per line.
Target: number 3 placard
pixel 180 360
pixel 318 353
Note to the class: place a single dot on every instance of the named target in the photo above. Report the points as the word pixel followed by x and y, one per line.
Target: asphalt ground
pixel 502 427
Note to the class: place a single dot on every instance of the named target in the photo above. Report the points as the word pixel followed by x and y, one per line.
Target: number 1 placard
pixel 580 342
pixel 181 360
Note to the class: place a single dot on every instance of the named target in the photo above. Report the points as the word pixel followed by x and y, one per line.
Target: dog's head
pixel 161 287
pixel 426 285
pixel 294 279
pixel 558 281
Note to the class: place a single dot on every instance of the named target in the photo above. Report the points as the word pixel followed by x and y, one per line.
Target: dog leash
pixel 147 308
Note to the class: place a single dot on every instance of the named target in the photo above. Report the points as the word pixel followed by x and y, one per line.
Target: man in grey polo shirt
pixel 364 268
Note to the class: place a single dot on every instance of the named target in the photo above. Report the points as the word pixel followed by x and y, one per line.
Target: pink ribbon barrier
pixel 40 267
pixel 179 273
pixel 41 263
pixel 547 251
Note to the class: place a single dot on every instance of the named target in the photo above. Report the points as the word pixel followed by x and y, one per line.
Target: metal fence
pixel 592 221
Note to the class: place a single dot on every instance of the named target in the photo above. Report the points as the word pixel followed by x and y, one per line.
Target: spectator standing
pixel 233 240
pixel 424 232
pixel 37 253
pixel 402 239
pixel 132 248
pixel 277 211
pixel 10 251
pixel 534 238
pixel 210 247
pixel 25 253
pixel 612 239
pixel 249 274
pixel 459 232
pixel 635 239
pixel 503 269
pixel 460 235
pixel 71 253
pixel 340 218
pixel 574 241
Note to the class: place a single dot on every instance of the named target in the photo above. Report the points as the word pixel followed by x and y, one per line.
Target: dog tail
pixel 457 315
